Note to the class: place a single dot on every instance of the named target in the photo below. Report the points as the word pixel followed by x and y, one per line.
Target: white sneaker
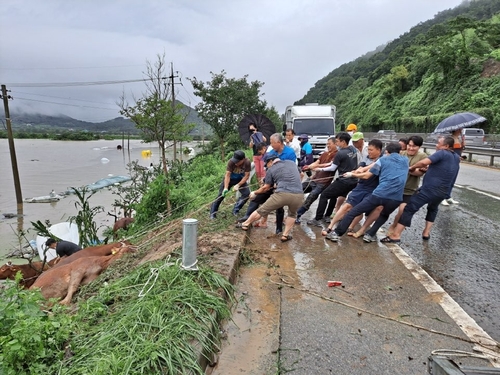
pixel 453 201
pixel 444 202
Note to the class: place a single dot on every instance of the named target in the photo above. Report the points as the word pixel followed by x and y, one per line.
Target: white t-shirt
pixel 295 145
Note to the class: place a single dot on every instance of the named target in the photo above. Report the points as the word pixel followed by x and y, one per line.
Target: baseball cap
pixel 303 136
pixel 269 157
pixel 238 156
pixel 357 136
pixel 351 127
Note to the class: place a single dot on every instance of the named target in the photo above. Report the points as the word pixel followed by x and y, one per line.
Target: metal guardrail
pixel 470 151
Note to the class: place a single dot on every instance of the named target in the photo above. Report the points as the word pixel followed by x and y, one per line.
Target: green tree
pixel 225 101
pixel 156 116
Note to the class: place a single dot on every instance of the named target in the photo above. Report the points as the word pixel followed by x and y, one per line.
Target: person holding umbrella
pixel 442 170
pixel 458 147
pixel 257 137
pixel 454 124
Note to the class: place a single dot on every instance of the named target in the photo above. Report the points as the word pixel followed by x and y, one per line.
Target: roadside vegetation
pixel 445 65
pixel 111 328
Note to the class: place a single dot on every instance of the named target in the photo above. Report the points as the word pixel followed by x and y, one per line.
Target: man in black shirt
pixel 63 248
pixel 346 160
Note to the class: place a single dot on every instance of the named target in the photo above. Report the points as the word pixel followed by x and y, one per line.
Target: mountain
pixel 448 64
pixel 38 122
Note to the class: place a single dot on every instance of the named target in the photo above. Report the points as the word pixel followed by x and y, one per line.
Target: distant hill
pixel 448 64
pixel 118 125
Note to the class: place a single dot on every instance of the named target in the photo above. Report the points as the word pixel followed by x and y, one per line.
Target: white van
pixel 473 137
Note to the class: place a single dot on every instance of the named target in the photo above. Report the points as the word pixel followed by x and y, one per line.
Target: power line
pixel 76 67
pixel 72 84
pixel 59 97
pixel 66 104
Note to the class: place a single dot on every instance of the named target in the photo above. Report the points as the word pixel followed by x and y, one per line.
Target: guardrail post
pixel 189 244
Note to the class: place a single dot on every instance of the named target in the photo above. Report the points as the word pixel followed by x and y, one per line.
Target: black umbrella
pixel 262 123
pixel 459 121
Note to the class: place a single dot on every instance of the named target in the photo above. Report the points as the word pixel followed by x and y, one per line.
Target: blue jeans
pixel 419 199
pixel 260 199
pixel 314 189
pixel 366 206
pixel 244 191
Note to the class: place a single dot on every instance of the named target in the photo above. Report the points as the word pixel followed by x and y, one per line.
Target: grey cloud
pixel 287 44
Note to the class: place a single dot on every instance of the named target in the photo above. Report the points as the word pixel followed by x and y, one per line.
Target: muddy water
pixel 46 165
pixel 252 336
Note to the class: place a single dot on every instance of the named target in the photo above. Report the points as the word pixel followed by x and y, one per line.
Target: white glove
pixel 348 174
pixel 252 195
pixel 236 187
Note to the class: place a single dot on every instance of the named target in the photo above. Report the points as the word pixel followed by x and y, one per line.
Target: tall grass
pixel 121 333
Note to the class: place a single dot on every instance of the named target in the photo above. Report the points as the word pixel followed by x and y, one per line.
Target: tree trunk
pixel 223 154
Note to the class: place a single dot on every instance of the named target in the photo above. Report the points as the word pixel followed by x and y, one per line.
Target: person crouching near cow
pixel 62 248
pixel 288 192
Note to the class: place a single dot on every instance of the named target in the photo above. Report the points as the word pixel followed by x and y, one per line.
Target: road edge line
pixel 468 325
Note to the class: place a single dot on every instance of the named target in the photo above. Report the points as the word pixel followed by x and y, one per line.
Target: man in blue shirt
pixel 442 171
pixel 392 170
pixel 279 148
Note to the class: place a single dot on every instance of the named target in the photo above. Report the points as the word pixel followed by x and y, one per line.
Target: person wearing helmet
pixel 351 129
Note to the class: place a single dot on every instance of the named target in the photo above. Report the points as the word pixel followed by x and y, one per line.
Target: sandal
pixel 350 230
pixel 286 238
pixel 242 226
pixel 389 240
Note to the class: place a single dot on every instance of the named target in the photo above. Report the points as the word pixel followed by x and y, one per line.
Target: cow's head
pixel 8 271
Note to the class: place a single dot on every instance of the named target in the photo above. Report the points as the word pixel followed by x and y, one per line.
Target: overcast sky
pixel 287 44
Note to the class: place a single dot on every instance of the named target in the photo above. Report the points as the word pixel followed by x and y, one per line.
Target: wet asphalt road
pixel 463 254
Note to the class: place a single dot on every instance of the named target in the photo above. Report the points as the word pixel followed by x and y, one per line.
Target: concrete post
pixel 189 244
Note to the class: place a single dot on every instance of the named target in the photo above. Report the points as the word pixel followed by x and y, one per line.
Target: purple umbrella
pixel 459 121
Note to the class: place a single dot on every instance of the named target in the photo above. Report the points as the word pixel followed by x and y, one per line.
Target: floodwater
pixel 46 165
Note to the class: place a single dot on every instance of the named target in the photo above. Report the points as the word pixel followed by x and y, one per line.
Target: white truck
pixel 317 121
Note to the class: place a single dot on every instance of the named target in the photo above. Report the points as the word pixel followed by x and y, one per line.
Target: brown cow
pixel 29 271
pixel 63 282
pixel 93 251
pixel 123 223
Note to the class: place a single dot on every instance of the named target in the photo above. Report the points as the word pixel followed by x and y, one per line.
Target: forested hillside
pixel 445 65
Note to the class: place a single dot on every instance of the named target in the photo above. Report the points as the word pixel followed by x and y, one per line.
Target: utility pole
pixel 13 159
pixel 173 102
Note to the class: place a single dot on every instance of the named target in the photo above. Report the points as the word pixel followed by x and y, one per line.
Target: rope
pixel 488 347
pixel 154 274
